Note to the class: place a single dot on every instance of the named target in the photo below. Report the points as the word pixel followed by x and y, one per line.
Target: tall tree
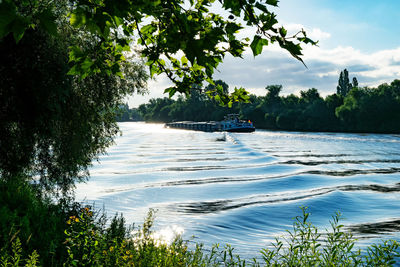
pixel 355 82
pixel 344 84
pixel 53 124
pixel 273 91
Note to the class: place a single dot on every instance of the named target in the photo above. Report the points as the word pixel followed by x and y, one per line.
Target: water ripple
pixel 221 186
pixel 228 204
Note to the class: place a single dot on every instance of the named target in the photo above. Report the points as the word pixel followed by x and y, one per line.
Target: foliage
pixel 88 240
pixel 372 109
pixel 218 85
pixel 14 258
pixel 162 29
pixel 362 110
pixel 124 113
pixel 67 65
pixel 34 220
pixel 53 124
pixel 344 84
pixel 304 247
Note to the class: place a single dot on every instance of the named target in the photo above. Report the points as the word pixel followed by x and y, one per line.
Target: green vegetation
pixel 160 29
pixel 65 68
pixel 124 113
pixel 52 124
pixel 36 232
pixel 354 109
pixel 344 86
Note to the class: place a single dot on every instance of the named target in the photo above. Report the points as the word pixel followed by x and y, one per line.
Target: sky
pixel 362 36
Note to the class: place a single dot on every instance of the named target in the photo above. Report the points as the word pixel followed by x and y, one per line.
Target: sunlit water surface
pixel 245 189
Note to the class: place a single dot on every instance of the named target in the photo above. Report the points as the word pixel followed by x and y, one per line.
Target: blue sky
pixel 365 24
pixel 360 35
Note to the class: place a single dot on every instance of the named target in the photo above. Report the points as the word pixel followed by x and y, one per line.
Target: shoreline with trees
pixel 352 109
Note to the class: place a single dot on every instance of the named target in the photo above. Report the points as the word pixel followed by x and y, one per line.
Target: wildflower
pixel 111 248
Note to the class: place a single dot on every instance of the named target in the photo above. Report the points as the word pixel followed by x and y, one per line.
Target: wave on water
pixel 218 186
pixel 227 204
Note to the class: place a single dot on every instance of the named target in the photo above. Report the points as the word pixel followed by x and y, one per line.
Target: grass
pixel 36 232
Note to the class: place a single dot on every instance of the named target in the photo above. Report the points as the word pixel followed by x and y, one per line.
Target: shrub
pixel 35 220
pixel 71 235
pixel 304 247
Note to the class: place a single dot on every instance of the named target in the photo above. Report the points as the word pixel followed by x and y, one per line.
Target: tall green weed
pixel 34 231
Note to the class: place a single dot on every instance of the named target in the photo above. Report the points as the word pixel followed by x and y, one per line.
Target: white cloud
pixel 275 66
pixel 156 89
pixel 379 65
pixel 318 34
pixel 314 33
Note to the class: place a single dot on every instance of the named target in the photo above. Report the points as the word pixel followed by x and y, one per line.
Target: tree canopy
pixel 361 110
pixel 183 39
pixel 66 66
pixel 53 124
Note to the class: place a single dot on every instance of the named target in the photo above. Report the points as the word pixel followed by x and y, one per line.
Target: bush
pixel 37 222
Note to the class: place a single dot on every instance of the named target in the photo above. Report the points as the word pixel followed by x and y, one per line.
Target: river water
pixel 245 188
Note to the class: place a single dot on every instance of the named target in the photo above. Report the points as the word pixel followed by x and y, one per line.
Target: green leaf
pixel 282 31
pixel 77 18
pixel 257 45
pixel 292 48
pixel 118 21
pixel 261 7
pixel 232 28
pixel 148 29
pixel 75 53
pixel 272 2
pixel 171 91
pixel 73 71
pixel 86 64
pixel 184 60
pixel 18 28
pixel 153 70
pixel 47 21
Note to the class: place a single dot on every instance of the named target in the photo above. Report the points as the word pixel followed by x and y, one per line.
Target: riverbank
pixel 361 110
pixel 37 232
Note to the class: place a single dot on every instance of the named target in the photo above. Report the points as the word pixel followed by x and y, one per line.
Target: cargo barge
pixel 231 123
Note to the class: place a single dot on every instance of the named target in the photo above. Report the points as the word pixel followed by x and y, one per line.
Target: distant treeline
pixel 124 113
pixel 351 109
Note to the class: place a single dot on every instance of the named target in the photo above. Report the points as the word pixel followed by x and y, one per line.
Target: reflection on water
pixel 376 228
pixel 313 163
pixel 245 189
